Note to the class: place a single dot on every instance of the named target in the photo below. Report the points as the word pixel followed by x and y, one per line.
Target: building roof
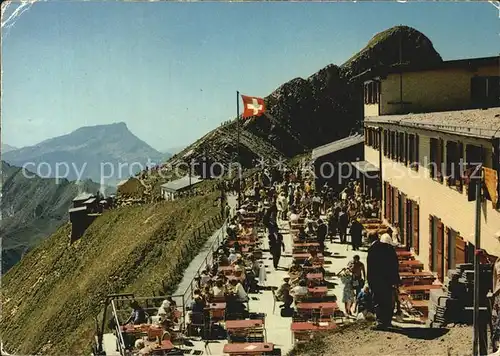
pixel 129 179
pixel 365 167
pixel 181 183
pixel 74 210
pixel 337 146
pixel 467 63
pixel 89 201
pixel 477 122
pixel 83 197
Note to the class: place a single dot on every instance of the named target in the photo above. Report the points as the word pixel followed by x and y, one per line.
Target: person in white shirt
pixel 205 277
pixel 232 255
pixel 300 292
pixel 239 291
pixel 219 290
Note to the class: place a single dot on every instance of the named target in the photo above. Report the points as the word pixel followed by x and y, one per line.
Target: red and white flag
pixel 252 106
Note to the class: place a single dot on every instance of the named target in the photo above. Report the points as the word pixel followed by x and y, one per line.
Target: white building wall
pixel 437 199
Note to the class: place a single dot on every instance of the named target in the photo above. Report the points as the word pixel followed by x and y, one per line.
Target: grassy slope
pixel 51 297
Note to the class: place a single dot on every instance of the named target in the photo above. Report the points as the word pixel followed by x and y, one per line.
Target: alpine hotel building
pixel 444 114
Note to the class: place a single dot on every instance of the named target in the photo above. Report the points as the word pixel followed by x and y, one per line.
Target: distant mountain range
pixel 108 151
pixel 6 148
pixel 33 208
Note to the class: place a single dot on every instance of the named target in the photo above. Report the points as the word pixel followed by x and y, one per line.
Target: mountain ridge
pixel 97 150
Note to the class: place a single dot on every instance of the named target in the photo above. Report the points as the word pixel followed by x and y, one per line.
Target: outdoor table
pixel 404 253
pixel 415 274
pixel 318 305
pixel 218 305
pixel 256 348
pixel 305 256
pixel 225 268
pixel 243 324
pixel 138 329
pixel 306 244
pixel 166 345
pixel 411 264
pixel 318 291
pixel 310 326
pixel 314 276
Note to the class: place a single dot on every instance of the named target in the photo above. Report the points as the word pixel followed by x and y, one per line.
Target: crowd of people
pixel 287 198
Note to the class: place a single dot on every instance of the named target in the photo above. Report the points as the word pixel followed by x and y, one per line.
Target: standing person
pixel 321 233
pixel 348 296
pixel 276 244
pixel 342 225
pixel 316 203
pixel 358 273
pixel 383 277
pixel 356 232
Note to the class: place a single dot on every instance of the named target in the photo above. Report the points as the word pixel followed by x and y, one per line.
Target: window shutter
pixel 388 199
pixel 460 250
pixel 447 233
pixel 459 181
pixel 439 159
pixel 439 250
pixel 404 223
pixel 431 265
pixel 407 155
pixel 417 158
pixel 395 212
pixel 416 228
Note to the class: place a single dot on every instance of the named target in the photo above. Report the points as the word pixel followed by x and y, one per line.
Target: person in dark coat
pixel 343 222
pixel 356 232
pixel 275 245
pixel 321 232
pixel 383 277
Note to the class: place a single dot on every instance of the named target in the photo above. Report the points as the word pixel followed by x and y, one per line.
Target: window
pixel 392 150
pixel 412 151
pixel 485 91
pixel 436 159
pixel 401 142
pixel 454 164
pixel 372 92
pixel 386 143
pixel 473 157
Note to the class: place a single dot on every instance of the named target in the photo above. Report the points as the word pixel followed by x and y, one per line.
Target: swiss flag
pixel 252 106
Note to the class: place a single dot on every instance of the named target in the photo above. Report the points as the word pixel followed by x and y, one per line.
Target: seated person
pixel 238 291
pixel 138 315
pixel 232 255
pixel 295 267
pixel 300 292
pixel 284 287
pixel 239 273
pixel 287 300
pixel 205 277
pixel 218 290
pixel 223 259
pixel 302 234
pixel 313 259
pixel 364 302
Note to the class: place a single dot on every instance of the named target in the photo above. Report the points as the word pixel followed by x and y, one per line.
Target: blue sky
pixel 171 70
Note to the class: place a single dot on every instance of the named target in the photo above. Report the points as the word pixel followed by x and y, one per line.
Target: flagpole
pixel 238 144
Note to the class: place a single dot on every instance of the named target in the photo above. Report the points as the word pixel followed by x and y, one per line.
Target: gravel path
pixel 358 339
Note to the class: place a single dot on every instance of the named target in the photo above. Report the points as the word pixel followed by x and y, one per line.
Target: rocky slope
pixel 87 148
pixel 32 209
pixel 306 113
